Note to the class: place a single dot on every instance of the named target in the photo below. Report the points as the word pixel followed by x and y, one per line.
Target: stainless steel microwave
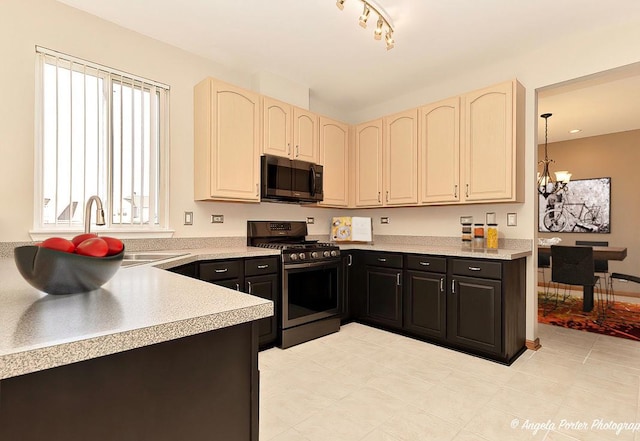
pixel 289 180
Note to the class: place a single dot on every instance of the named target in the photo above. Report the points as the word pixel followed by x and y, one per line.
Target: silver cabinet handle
pixel 387 195
pixel 425 263
pixel 467 193
pixel 222 270
pixel 455 191
pixel 350 260
pixel 441 284
pixel 398 279
pixel 237 287
pixel 379 197
pixel 288 149
pixel 257 189
pixel 474 268
pixel 453 287
pixel 381 259
pixel 249 286
pixel 297 151
pixel 263 266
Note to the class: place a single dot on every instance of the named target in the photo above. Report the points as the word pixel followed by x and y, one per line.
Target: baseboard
pixel 534 345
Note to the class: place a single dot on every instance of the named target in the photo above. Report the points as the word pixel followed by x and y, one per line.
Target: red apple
pixel 95 247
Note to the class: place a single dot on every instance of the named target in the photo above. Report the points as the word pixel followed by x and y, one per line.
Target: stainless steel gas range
pixel 311 274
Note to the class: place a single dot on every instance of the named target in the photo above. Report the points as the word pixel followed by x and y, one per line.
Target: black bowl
pixel 57 272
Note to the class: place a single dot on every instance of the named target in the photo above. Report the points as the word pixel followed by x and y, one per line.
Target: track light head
pixel 389 39
pixel 340 4
pixel 365 15
pixel 377 34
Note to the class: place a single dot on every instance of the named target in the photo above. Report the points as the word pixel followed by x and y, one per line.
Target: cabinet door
pixel 227 141
pixel 489 156
pixel 305 135
pixel 474 314
pixel 425 304
pixel 334 157
pixel 235 284
pixel 401 158
pixel 384 296
pixel 267 287
pixel 368 164
pixel 276 127
pixel 439 152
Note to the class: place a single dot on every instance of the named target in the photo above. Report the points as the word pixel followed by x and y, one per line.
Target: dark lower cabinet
pixel 425 304
pixel 267 287
pixel 255 276
pixel 474 314
pixel 383 289
pixel 200 387
pixel 473 305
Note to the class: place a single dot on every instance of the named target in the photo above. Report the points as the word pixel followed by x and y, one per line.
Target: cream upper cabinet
pixel 289 131
pixel 227 142
pixel 305 135
pixel 439 152
pixel 368 164
pixel 493 143
pixel 334 157
pixel 401 158
pixel 276 127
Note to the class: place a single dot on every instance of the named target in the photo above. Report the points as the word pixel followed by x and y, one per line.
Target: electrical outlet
pixel 311 220
pixel 512 219
pixel 217 218
pixel 188 217
pixel 384 220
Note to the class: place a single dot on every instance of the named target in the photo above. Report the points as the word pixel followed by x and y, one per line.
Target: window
pixel 100 132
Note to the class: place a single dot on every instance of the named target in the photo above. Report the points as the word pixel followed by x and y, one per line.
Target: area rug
pixel 622 319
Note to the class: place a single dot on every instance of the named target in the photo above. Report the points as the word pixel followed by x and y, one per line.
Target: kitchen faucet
pixel 87 213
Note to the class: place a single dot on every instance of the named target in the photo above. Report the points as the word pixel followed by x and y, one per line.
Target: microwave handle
pixel 313 181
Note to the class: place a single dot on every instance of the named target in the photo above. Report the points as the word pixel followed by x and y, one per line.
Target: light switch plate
pixel 188 217
pixel 512 219
pixel 384 220
pixel 217 218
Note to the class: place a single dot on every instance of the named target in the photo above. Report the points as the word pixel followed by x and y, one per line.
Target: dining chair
pixel 544 263
pixel 601 267
pixel 574 265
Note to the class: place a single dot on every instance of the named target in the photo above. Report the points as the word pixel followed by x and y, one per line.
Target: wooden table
pixel 599 253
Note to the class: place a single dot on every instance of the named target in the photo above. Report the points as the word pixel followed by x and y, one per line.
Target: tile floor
pixel 364 384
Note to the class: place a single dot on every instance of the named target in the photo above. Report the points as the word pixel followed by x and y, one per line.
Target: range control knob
pixel 302 256
pixel 293 256
pixel 326 254
pixel 334 253
pixel 314 255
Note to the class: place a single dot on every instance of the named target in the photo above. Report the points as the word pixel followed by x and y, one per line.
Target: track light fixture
pixel 383 21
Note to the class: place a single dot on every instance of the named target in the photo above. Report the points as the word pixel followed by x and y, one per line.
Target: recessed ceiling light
pixel 575 131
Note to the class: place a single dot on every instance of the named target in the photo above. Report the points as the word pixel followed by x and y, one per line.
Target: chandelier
pixel 546 184
pixel 383 25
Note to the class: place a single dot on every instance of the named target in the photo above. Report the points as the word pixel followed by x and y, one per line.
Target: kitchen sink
pixel 140 258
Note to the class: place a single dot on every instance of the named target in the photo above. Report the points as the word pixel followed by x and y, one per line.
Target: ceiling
pixel 313 43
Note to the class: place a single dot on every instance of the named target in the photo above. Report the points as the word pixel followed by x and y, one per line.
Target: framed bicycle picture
pixel 583 206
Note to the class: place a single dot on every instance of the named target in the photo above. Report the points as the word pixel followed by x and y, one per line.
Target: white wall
pixel 27 23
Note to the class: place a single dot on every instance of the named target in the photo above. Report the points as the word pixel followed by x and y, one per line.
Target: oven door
pixel 310 292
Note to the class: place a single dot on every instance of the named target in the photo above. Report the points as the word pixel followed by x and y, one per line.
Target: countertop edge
pixel 37 359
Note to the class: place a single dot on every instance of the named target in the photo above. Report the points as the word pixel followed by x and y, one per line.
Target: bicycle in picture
pixel 564 216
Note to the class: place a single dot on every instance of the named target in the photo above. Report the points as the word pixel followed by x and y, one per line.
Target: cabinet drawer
pixel 427 263
pixel 256 267
pixel 383 259
pixel 477 268
pixel 219 270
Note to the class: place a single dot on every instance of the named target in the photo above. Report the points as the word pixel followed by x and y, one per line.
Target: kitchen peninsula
pixel 151 355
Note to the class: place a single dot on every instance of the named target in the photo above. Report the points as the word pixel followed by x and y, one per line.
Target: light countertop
pixel 141 305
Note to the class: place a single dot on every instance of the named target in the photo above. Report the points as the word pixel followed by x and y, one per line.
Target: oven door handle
pixel 310 264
